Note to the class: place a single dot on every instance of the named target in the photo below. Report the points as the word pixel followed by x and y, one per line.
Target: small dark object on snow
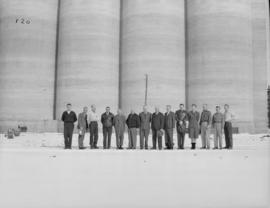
pixel 22 128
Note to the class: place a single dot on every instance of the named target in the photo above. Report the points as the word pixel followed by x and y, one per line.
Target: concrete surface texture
pixel 220 56
pixel 37 172
pixel 153 43
pixel 88 60
pixel 260 28
pixel 27 59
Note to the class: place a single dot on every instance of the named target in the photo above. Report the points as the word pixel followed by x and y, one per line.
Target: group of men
pixel 160 124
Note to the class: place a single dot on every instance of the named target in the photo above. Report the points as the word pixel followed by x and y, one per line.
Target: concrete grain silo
pixel 220 59
pixel 260 33
pixel 88 58
pixel 27 63
pixel 153 43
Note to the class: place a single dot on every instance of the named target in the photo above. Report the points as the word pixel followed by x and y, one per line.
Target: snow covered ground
pixel 35 171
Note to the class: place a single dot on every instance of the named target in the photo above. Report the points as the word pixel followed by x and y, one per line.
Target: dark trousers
pixel 181 139
pixel 228 134
pixel 68 132
pixel 93 128
pixel 107 134
pixel 169 138
pixel 155 137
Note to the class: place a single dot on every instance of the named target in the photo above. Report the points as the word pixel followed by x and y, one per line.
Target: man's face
pixel 85 109
pixel 118 111
pixel 181 107
pixel 168 108
pixel 226 107
pixel 217 109
pixel 93 108
pixel 193 107
pixel 107 110
pixel 132 111
pixel 156 109
pixel 204 107
pixel 69 107
pixel 145 109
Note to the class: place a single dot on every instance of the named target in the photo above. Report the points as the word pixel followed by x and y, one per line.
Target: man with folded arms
pixel 107 123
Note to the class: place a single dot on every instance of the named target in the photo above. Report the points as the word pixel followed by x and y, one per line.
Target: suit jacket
pixel 157 121
pixel 145 120
pixel 169 120
pixel 119 122
pixel 82 121
pixel 193 119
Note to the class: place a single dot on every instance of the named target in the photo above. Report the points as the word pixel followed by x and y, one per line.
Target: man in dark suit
pixel 82 127
pixel 107 124
pixel 181 118
pixel 69 118
pixel 145 120
pixel 157 125
pixel 169 124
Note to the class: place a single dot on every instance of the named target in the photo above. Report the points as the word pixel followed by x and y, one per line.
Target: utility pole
pixel 146 89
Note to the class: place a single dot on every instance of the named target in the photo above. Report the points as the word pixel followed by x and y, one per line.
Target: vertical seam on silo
pixel 186 54
pixel 120 58
pixel 56 59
